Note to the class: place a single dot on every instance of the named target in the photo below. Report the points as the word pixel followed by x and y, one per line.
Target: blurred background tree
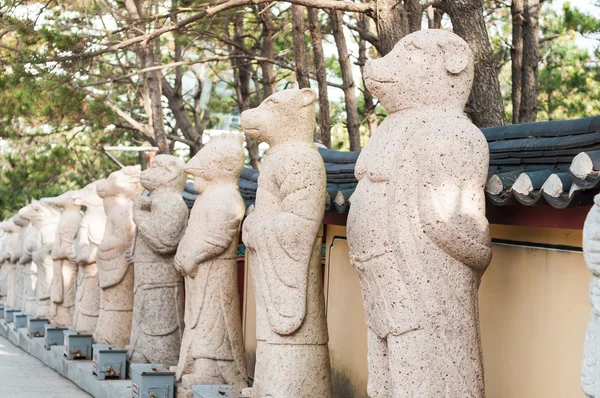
pixel 76 76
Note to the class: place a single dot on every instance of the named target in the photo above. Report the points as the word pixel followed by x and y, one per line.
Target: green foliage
pixel 568 79
pixel 568 75
pixel 579 21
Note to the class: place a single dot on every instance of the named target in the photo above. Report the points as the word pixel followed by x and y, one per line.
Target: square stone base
pixel 78 371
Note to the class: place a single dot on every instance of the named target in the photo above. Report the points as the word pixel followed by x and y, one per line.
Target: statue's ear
pixel 457 56
pixel 308 96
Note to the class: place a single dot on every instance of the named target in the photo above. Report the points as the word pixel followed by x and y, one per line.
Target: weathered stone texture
pixel 115 274
pixel 10 244
pixel 590 370
pixel 417 231
pixel 282 236
pixel 85 248
pixel 64 275
pixel 26 268
pixel 160 221
pixel 212 350
pixel 44 219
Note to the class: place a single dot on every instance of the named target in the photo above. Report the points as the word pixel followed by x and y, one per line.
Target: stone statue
pixel 64 279
pixel 31 241
pixel 10 244
pixel 158 304
pixel 115 274
pixel 212 350
pixel 417 231
pixel 3 269
pixel 89 237
pixel 18 267
pixel 282 236
pixel 45 219
pixel 590 376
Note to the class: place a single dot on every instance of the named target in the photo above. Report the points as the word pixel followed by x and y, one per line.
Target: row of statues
pixel 135 270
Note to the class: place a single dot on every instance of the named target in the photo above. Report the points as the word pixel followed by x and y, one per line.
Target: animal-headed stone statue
pixel 115 274
pixel 212 350
pixel 590 369
pixel 31 242
pixel 45 219
pixel 3 270
pixel 417 231
pixel 64 279
pixel 158 306
pixel 283 238
pixel 10 243
pixel 89 237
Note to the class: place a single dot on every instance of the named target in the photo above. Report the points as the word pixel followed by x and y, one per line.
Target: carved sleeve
pixel 31 243
pixel 118 237
pixel 164 225
pixel 220 231
pixel 285 241
pixel 452 171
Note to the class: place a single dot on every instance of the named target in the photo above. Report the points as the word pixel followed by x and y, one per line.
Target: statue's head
pixel 43 212
pixel 221 159
pixel 124 183
pixel 62 202
pixel 88 196
pixel 430 68
pixel 24 215
pixel 165 173
pixel 9 226
pixel 286 116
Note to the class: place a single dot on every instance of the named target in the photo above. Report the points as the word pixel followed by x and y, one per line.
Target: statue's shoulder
pixel 304 154
pixel 448 133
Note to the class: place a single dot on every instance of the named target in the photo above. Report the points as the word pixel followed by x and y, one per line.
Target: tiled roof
pixel 553 163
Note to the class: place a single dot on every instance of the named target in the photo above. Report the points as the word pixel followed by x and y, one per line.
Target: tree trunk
pixel 370 115
pixel 516 57
pixel 267 51
pixel 485 103
pixel 531 49
pixel 392 24
pixel 242 76
pixel 298 30
pixel 175 100
pixel 414 13
pixel 434 17
pixel 352 123
pixel 177 106
pixel 321 73
pixel 152 80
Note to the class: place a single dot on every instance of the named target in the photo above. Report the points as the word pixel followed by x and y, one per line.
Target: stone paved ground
pixel 22 375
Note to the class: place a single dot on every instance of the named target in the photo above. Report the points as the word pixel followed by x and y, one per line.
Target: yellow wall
pixel 533 308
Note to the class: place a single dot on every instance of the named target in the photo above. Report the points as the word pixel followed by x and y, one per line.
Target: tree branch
pixel 365 34
pixel 433 3
pixel 339 5
pixel 182 63
pixel 173 137
pixel 142 128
